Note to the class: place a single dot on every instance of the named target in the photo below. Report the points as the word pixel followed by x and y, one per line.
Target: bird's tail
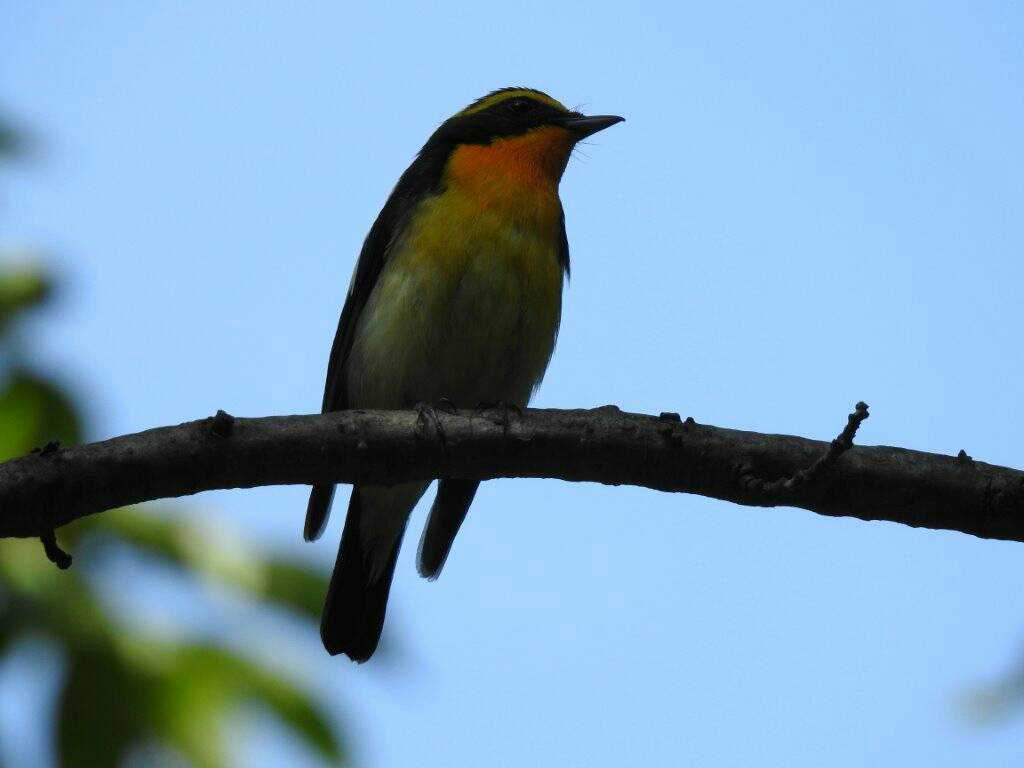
pixel 450 507
pixel 317 511
pixel 357 597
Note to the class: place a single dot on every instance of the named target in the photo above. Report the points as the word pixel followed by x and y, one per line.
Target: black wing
pixel 368 269
pixel 421 179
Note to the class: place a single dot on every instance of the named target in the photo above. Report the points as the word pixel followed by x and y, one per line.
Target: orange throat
pixel 519 175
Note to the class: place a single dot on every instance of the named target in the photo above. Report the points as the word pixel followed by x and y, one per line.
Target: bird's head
pixel 515 133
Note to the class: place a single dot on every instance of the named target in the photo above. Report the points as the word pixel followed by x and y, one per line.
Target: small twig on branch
pixel 825 462
pixel 54 553
pixel 602 445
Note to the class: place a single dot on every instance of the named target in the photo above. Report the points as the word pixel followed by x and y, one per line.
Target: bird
pixel 456 297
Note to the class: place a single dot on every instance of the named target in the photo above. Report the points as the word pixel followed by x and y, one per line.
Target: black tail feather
pixel 317 511
pixel 446 515
pixel 354 610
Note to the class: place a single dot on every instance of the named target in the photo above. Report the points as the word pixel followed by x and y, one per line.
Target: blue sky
pixel 809 204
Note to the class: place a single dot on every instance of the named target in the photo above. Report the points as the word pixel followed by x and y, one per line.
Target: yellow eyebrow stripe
pixel 496 98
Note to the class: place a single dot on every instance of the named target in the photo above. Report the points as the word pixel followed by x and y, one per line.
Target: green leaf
pixel 34 411
pixel 125 690
pixel 217 553
pixel 295 586
pixel 192 708
pixel 9 627
pixel 21 287
pixel 12 141
pixel 101 711
pixel 298 711
pixel 206 685
pixel 37 598
pixel 129 689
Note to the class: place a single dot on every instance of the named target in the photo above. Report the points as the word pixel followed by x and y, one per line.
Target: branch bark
pixel 50 488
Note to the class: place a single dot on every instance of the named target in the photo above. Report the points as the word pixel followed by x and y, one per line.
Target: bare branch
pixel 43 491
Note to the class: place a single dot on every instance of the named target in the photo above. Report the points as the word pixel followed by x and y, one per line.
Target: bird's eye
pixel 520 106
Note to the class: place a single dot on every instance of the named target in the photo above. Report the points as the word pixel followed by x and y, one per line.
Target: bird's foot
pixel 445 405
pixel 506 407
pixel 427 412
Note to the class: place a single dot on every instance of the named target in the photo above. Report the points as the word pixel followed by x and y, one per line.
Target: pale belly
pixel 472 318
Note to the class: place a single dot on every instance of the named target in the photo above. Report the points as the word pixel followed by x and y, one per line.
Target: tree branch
pixel 45 490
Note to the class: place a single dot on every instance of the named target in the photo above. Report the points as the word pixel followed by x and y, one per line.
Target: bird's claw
pixel 447 406
pixel 505 406
pixel 428 412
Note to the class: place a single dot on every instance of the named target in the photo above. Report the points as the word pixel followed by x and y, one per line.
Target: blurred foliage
pixel 126 688
pixel 21 288
pixel 996 701
pixel 12 140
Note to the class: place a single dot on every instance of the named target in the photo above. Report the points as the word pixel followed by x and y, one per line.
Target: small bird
pixel 456 298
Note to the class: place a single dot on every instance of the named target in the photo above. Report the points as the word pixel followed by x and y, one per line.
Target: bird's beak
pixel 587 125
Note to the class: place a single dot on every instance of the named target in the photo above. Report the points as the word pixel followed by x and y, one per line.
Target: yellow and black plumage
pixel 456 296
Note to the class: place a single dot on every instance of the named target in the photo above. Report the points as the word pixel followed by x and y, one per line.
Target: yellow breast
pixel 469 302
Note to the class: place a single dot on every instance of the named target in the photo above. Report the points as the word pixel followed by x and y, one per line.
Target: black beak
pixel 584 125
